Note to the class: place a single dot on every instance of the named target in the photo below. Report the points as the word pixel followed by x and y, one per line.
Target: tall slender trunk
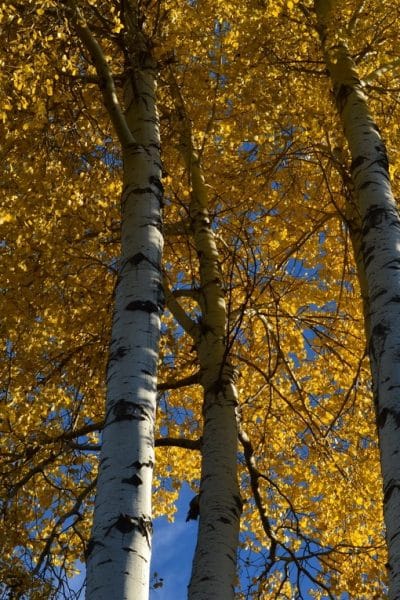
pixel 214 564
pixel 118 555
pixel 380 250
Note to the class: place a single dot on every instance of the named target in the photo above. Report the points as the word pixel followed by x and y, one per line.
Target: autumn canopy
pixel 200 251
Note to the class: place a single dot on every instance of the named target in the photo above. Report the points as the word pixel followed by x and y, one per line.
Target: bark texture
pixel 118 555
pixel 378 244
pixel 214 564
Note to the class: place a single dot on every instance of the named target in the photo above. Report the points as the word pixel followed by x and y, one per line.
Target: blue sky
pixel 173 548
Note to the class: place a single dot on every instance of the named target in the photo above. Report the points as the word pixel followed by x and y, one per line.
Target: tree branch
pixel 176 384
pixel 179 443
pixel 179 313
pixel 254 477
pixel 106 81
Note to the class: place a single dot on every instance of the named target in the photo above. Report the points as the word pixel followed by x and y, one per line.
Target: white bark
pixel 220 506
pixel 214 564
pixel 118 556
pixel 380 249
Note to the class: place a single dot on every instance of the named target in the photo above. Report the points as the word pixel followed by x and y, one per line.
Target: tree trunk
pixel 118 554
pixel 214 564
pixel 380 250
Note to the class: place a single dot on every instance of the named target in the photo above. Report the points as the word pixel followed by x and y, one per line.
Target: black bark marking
pixel 394 536
pixel 377 341
pixel 104 562
pixel 138 191
pixel 145 527
pixel 137 259
pixel 391 486
pixel 239 503
pixel 374 217
pixel 384 160
pixel 140 257
pixel 159 194
pixel 342 92
pixel 128 411
pixel 357 162
pixel 393 264
pixel 138 465
pixel 377 295
pixel 380 330
pixel 157 183
pixel 224 520
pixel 194 509
pixel 119 353
pixel 384 174
pixel 383 415
pixel 157 147
pixel 366 184
pixel 155 223
pixel 143 305
pixel 135 480
pixel 125 523
pixel 369 259
pixel 368 253
pixel 147 372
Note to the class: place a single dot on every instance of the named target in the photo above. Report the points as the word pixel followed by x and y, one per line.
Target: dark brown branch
pixel 254 477
pixel 73 511
pixel 176 384
pixel 179 443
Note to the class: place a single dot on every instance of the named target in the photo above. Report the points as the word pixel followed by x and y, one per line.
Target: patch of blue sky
pixel 101 152
pixel 179 415
pixel 173 548
pixel 309 336
pixel 249 151
pixel 302 565
pixel 295 267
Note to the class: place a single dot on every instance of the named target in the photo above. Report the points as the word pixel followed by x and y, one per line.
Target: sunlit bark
pixel 379 246
pixel 214 564
pixel 118 555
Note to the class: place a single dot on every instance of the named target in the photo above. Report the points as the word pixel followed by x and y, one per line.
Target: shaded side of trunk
pixel 379 247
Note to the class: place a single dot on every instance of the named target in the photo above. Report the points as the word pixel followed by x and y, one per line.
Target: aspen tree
pixel 118 555
pixel 379 248
pixel 214 564
pixel 269 253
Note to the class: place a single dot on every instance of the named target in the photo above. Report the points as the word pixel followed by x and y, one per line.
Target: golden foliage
pixel 274 162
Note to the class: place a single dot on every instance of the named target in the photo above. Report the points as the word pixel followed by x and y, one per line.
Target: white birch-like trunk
pixel 380 251
pixel 214 564
pixel 118 556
